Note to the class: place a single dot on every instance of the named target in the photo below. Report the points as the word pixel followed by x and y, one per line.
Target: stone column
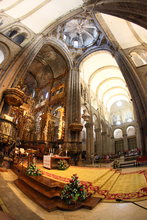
pixel 125 142
pixel 108 149
pixel 104 142
pixel 89 141
pixel 112 145
pixel 98 141
pixel 73 111
pixel 138 138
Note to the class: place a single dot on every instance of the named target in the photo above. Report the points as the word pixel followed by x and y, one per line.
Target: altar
pixel 51 162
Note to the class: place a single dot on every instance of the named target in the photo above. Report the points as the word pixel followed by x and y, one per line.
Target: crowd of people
pixel 106 158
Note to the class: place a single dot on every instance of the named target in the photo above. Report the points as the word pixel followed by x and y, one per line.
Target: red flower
pixel 144 189
pixel 81 189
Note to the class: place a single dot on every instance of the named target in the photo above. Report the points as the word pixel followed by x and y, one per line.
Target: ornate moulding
pixel 75 126
pixel 14 96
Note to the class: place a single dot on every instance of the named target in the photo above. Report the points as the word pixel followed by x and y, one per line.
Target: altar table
pixel 51 162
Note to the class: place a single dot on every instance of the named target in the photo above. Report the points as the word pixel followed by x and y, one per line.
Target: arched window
pixel 11 33
pixel 33 93
pixel 116 119
pixel 128 116
pixel 131 131
pixel 76 43
pixel 46 95
pixel 139 58
pixel 118 133
pixel 2 57
pixel 19 38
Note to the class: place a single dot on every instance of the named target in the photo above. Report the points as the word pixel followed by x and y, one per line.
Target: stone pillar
pixel 125 142
pixel 108 149
pixel 104 142
pixel 73 111
pixel 112 145
pixel 98 141
pixel 89 141
pixel 138 138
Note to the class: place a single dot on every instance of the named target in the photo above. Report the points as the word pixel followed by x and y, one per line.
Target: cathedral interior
pixel 73 79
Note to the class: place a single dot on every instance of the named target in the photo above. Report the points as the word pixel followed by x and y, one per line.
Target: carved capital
pixel 88 125
pixel 104 133
pixel 97 130
pixel 124 135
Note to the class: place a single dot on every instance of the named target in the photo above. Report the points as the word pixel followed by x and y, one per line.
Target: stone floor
pixel 20 207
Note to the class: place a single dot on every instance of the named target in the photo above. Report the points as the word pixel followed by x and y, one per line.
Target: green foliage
pixel 74 191
pixel 33 171
pixel 63 165
pixel 115 164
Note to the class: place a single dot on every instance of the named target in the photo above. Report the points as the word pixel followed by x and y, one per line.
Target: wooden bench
pixel 127 164
pixel 141 159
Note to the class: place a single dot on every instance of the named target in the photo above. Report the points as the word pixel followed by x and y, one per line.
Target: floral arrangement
pixel 74 191
pixel 32 170
pixel 62 165
pixel 115 164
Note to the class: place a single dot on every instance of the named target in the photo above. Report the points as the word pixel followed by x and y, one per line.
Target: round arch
pixel 131 130
pixel 134 10
pixel 108 80
pixel 134 86
pixel 118 133
pixel 5 52
pixel 99 70
pixel 59 46
pixel 114 88
pixel 115 98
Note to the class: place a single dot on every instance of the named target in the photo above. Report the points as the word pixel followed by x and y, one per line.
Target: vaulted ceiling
pixel 131 10
pixel 100 69
pixel 38 15
pixel 49 64
pixel 101 73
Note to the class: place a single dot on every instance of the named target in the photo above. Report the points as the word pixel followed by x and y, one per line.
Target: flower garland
pixel 74 191
pixel 115 164
pixel 62 165
pixel 32 170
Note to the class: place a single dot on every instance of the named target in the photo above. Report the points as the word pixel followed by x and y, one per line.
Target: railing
pixel 8 131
